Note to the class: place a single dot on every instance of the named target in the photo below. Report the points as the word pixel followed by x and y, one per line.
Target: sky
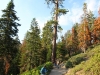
pixel 29 9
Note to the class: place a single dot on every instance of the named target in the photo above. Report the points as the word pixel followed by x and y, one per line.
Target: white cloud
pixel 76 14
pixel 63 20
pixel 42 21
pixel 93 5
pixel 72 16
pixel 76 11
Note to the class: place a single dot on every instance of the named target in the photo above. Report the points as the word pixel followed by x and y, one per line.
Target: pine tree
pixel 84 34
pixel 34 44
pixel 8 31
pixel 47 40
pixel 24 54
pixel 96 29
pixel 68 42
pixel 57 12
pixel 61 49
pixel 75 41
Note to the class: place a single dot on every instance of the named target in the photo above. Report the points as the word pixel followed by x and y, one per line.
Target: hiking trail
pixel 61 71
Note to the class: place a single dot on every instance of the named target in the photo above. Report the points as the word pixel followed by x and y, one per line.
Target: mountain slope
pixel 89 66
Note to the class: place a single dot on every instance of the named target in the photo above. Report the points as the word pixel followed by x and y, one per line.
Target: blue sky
pixel 29 9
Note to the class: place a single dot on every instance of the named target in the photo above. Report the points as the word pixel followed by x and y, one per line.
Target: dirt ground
pixel 56 71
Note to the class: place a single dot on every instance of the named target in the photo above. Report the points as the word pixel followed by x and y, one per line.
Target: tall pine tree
pixel 34 44
pixel 47 40
pixel 8 45
pixel 57 11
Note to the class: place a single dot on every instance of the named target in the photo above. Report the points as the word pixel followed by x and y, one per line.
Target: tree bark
pixel 55 34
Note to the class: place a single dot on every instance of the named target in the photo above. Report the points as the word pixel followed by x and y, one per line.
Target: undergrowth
pixel 89 66
pixel 36 71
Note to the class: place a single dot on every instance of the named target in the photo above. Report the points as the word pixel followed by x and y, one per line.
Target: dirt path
pixel 57 71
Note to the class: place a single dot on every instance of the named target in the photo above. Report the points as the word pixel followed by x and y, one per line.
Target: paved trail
pixel 57 71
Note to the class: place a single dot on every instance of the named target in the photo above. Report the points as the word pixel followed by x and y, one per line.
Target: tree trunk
pixel 55 34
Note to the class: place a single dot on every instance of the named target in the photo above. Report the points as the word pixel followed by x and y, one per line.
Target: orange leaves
pixel 84 35
pixel 96 30
pixel 23 46
pixel 88 31
pixel 97 24
pixel 81 33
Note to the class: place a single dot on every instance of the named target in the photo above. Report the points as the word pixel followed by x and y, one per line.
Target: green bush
pixel 49 66
pixel 36 71
pixel 93 65
pixel 74 60
pixel 68 64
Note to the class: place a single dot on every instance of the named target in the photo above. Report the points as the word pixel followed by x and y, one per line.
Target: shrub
pixel 68 64
pixel 36 71
pixel 49 66
pixel 91 66
pixel 75 60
